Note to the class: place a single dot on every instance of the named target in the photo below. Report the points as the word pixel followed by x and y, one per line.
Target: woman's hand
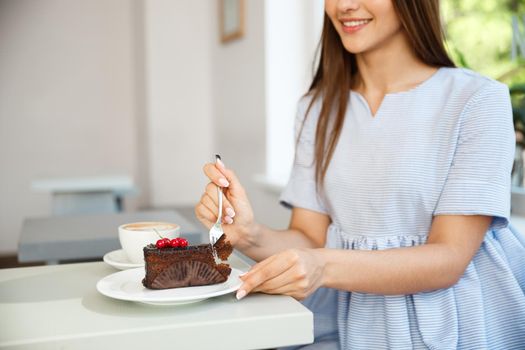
pixel 238 220
pixel 294 272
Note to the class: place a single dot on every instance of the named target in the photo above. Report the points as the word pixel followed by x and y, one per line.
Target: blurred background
pixel 116 105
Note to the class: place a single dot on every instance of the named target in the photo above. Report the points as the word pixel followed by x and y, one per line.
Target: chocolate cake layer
pixel 185 267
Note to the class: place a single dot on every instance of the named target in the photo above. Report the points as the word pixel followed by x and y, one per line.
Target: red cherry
pixel 161 243
pixel 166 240
pixel 183 242
pixel 175 243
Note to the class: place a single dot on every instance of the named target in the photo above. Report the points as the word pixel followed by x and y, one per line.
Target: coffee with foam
pixel 135 236
pixel 150 226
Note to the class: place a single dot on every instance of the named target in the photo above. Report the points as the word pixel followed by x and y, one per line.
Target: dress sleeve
pixel 301 190
pixel 478 182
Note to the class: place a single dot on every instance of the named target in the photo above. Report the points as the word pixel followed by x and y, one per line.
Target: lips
pixel 352 25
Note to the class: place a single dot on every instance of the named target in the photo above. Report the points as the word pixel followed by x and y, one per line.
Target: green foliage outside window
pixel 479 36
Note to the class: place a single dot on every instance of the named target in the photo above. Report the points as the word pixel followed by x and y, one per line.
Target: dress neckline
pixel 418 87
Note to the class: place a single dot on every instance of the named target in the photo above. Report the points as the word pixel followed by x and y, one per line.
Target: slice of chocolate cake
pixel 186 266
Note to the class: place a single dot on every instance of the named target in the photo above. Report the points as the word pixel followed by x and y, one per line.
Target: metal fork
pixel 216 230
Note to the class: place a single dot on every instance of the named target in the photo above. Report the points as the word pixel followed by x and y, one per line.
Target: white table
pixel 57 238
pixel 96 194
pixel 58 307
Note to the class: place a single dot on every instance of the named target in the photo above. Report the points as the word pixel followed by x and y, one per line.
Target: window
pixel 292 32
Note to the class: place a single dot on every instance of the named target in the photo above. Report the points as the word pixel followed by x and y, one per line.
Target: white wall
pixel 128 87
pixel 178 63
pixel 67 99
pixel 292 32
pixel 205 97
pixel 239 106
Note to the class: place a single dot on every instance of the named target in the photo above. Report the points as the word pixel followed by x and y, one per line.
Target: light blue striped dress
pixel 444 147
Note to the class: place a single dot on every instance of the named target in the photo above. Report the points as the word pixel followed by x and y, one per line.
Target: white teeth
pixel 355 23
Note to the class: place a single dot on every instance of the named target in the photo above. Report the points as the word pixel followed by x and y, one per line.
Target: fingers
pixel 259 266
pixel 210 204
pixel 211 201
pixel 298 291
pixel 215 175
pixel 284 279
pixel 287 258
pixel 204 215
pixel 207 209
pixel 230 176
pixel 292 282
pixel 262 273
pixel 224 177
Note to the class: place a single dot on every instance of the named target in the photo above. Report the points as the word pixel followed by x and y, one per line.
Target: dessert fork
pixel 216 230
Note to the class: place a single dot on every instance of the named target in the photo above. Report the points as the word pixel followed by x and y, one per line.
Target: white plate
pixel 127 285
pixel 119 260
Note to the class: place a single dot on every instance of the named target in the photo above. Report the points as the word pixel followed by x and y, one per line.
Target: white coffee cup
pixel 135 236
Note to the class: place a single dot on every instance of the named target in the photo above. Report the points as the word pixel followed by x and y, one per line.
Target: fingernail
pixel 230 212
pixel 228 220
pixel 221 164
pixel 243 274
pixel 240 294
pixel 224 182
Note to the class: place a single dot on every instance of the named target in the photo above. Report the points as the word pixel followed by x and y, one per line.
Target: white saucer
pixel 119 260
pixel 127 285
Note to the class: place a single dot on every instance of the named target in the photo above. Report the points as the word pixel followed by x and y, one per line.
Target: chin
pixel 354 48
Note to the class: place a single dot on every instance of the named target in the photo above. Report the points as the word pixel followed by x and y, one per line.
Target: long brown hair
pixel 333 78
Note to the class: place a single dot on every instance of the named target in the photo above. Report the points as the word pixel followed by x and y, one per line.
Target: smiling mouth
pixel 355 23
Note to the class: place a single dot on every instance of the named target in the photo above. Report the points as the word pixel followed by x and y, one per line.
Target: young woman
pixel 399 235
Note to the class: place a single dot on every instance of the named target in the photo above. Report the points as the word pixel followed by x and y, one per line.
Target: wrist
pixel 333 268
pixel 250 236
pixel 324 262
